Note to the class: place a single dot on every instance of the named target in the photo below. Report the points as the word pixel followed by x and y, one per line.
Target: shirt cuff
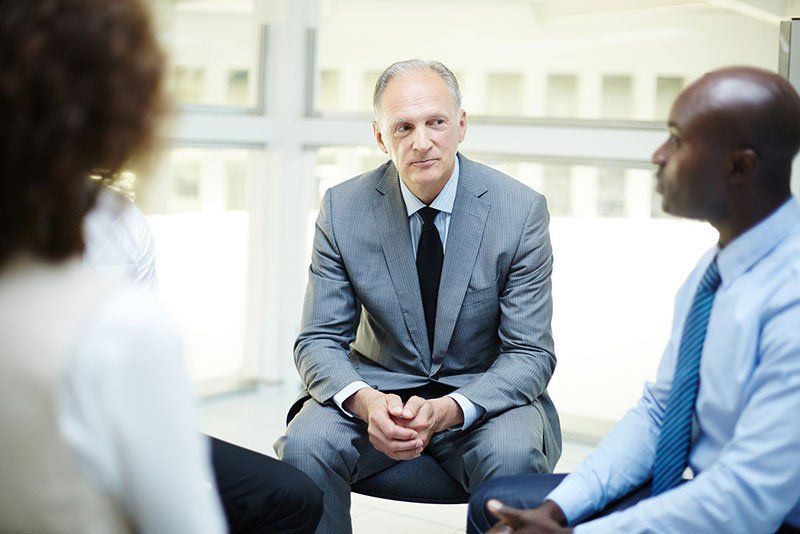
pixel 573 499
pixel 470 409
pixel 345 393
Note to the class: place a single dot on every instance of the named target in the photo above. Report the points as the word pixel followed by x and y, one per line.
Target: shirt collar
pixel 747 249
pixel 443 201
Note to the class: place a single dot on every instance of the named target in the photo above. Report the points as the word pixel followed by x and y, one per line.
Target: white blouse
pixel 125 412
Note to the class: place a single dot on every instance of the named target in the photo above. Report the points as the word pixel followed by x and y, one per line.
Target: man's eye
pixel 403 128
pixel 673 140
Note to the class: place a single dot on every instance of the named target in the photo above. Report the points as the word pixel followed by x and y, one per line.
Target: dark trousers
pixel 529 491
pixel 261 494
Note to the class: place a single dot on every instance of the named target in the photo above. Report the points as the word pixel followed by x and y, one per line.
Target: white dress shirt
pixel 126 415
pixel 118 240
pixel 745 452
pixel 444 203
pixel 125 408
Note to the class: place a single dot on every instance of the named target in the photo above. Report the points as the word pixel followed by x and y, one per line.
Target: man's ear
pixel 376 131
pixel 462 125
pixel 744 164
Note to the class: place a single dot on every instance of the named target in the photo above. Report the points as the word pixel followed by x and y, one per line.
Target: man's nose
pixel 422 141
pixel 659 157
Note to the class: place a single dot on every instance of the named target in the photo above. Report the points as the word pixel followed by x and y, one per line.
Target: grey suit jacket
pixel 363 317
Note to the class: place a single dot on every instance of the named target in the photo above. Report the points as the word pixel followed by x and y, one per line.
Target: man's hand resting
pixel 429 416
pixel 546 519
pixel 380 411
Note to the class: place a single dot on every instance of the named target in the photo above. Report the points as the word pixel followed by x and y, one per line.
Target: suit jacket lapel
pixel 467 224
pixel 392 217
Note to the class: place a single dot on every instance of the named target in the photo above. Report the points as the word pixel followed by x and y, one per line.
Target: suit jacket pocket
pixel 476 296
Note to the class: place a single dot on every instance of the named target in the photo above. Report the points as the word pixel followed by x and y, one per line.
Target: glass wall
pixel 560 94
pixel 203 208
pixel 214 50
pixel 588 59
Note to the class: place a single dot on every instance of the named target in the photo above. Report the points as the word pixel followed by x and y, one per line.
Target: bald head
pixel 745 107
pixel 732 137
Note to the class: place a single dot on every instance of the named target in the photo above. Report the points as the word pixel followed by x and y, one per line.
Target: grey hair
pixel 414 65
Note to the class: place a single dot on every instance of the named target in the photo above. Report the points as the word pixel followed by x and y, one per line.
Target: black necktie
pixel 430 257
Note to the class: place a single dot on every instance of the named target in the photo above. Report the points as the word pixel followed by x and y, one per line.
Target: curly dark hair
pixel 80 95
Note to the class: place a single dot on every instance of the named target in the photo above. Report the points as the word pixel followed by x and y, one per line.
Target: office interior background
pixel 272 106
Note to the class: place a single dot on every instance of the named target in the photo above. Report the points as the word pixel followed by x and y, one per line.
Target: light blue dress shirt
pixel 745 452
pixel 444 203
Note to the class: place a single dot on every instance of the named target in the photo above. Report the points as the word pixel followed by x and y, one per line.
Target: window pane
pixel 504 94
pixel 238 87
pixel 617 97
pixel 612 59
pixel 202 208
pixel 562 95
pixel 213 46
pixel 328 94
pixel 556 186
pixel 667 89
pixel 611 200
pixel 188 84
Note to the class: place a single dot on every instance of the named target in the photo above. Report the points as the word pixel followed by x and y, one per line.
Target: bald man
pixel 714 444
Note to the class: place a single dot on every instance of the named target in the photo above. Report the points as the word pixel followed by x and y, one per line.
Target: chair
pixel 420 480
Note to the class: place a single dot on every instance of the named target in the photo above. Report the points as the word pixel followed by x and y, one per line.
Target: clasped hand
pixel 402 431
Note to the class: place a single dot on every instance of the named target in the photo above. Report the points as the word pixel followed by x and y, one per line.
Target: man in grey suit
pixel 426 323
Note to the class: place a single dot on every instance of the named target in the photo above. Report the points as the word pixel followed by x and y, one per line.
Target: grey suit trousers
pixel 334 450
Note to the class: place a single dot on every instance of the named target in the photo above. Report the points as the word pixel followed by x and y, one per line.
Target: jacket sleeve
pixel 330 316
pixel 527 359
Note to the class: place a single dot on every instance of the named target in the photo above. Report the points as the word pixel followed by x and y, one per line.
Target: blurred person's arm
pixel 127 415
pixel 118 238
pixel 146 276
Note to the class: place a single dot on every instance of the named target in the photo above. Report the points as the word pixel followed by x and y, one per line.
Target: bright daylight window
pixel 618 258
pixel 213 49
pixel 588 59
pixel 561 94
pixel 202 207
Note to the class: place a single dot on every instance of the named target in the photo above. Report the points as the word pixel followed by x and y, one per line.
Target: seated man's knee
pixel 478 517
pixel 307 448
pixel 301 450
pixel 499 460
pixel 523 458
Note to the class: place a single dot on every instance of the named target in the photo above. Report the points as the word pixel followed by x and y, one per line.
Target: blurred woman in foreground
pixel 97 432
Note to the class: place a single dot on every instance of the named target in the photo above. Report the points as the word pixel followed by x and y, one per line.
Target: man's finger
pixel 405 455
pixel 500 528
pixel 391 430
pixel 412 407
pixel 394 404
pixel 398 433
pixel 510 516
pixel 407 445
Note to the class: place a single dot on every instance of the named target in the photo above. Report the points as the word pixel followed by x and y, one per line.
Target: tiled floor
pixel 256 419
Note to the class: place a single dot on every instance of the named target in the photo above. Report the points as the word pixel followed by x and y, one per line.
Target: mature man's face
pixel 420 129
pixel 691 163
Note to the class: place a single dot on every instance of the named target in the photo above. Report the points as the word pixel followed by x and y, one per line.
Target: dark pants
pixel 529 491
pixel 262 494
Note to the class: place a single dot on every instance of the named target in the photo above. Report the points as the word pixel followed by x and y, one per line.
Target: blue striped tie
pixel 672 450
